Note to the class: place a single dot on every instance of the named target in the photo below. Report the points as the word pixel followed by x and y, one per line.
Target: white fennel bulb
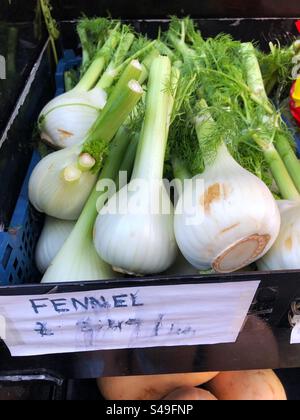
pixel 131 233
pixel 232 223
pixel 50 192
pixel 285 253
pixel 66 119
pixel 53 236
pixel 137 241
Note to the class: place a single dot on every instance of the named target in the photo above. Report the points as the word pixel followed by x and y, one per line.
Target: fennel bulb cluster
pixel 129 234
pixel 53 236
pixel 62 182
pixel 78 260
pixel 285 253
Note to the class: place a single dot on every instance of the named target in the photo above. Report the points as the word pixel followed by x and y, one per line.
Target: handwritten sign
pixel 153 316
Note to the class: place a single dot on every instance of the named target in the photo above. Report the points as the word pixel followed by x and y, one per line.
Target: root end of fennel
pixel 241 254
pixel 125 272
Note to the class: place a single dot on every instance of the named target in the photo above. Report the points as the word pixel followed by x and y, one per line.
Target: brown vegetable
pixel 149 387
pixel 190 394
pixel 247 386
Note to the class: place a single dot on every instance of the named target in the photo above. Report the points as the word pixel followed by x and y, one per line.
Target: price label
pixel 139 317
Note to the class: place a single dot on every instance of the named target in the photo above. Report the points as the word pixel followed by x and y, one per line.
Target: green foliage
pixel 218 75
pixel 276 67
pixel 93 33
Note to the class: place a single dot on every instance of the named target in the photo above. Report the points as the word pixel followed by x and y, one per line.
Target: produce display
pixel 149 387
pixel 225 386
pixel 247 385
pixel 202 111
pixel 169 156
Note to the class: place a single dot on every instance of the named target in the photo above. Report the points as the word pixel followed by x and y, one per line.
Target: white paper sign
pixel 295 338
pixel 136 317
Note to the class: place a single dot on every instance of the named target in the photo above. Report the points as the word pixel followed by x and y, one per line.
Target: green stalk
pixel 131 72
pixel 290 159
pixel 118 107
pixel 91 75
pixel 278 169
pixel 188 54
pixel 68 81
pixel 128 161
pixel 152 146
pixel 254 77
pixel 146 65
pixel 97 66
pixel 115 30
pixel 110 73
pixel 286 153
pixel 133 57
pixel 84 45
pixel 110 171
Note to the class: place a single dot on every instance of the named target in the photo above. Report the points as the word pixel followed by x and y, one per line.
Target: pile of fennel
pixel 207 117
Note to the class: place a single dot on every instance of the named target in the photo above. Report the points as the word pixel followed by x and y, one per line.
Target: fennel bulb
pixel 285 253
pixel 232 223
pixel 130 234
pixel 57 190
pixel 78 260
pixel 66 119
pixel 53 236
pixel 62 182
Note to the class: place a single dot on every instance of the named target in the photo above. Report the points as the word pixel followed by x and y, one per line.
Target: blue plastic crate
pixel 68 62
pixel 17 244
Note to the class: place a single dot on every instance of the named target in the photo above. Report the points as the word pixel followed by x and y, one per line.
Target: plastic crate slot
pixel 11 278
pixel 6 256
